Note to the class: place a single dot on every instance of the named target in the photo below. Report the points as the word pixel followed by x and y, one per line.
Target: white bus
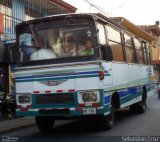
pixel 79 65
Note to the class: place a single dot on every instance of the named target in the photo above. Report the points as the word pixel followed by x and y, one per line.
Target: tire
pixel 141 106
pixel 44 123
pixel 107 122
pixel 133 108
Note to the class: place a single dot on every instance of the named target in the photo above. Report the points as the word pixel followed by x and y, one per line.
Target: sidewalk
pixel 16 123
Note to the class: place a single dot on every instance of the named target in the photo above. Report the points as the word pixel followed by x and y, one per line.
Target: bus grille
pixel 54 111
pixel 55 99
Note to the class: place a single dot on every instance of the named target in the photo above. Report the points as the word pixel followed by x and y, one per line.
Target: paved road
pixel 127 124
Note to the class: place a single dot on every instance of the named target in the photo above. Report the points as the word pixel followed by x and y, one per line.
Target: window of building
pixel 114 39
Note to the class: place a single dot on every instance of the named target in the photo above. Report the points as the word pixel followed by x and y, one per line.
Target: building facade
pixel 154 30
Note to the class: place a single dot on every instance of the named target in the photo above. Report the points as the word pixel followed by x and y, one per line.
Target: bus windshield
pixel 56 43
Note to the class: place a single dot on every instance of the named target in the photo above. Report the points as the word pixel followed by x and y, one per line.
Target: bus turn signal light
pixel 101 74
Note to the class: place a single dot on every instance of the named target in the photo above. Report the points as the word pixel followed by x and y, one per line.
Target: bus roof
pixel 96 15
pixel 135 29
pixel 119 22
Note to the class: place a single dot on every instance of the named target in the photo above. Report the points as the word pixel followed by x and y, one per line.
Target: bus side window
pixel 129 48
pixel 139 51
pixel 149 54
pixel 115 41
pixel 144 48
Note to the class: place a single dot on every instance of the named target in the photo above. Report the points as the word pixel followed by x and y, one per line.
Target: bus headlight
pixel 89 96
pixel 24 99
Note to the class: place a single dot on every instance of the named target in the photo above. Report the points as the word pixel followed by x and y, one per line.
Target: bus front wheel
pixel 141 106
pixel 44 123
pixel 108 121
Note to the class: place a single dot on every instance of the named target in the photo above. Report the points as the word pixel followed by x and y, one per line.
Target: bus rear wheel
pixel 107 122
pixel 44 123
pixel 141 106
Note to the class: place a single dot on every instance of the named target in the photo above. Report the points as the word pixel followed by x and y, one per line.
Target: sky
pixel 139 12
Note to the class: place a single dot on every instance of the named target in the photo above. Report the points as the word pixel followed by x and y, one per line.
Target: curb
pixel 2 131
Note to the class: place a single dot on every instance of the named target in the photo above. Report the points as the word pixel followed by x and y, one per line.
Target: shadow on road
pixel 84 126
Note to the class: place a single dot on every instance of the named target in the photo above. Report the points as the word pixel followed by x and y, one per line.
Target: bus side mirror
pixel 2 52
pixel 106 52
pixel 11 54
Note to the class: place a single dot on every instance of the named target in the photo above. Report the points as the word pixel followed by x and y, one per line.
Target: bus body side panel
pixel 128 81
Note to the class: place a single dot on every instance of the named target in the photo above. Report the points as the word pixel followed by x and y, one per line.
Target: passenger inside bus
pixel 69 46
pixel 42 50
pixel 55 42
pixel 87 49
pixel 26 51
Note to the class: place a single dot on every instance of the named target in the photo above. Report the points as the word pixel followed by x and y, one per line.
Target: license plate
pixel 89 111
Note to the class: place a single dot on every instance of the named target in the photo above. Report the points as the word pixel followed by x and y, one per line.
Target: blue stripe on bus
pixel 126 94
pixel 61 74
pixel 132 90
pixel 58 76
pixel 107 99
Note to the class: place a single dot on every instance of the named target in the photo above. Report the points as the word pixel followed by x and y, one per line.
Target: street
pixel 127 124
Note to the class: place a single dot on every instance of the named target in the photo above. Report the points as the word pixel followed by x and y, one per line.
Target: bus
pixel 73 66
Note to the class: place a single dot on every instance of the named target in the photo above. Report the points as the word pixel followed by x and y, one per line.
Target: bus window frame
pixel 148 50
pixel 144 53
pixel 114 41
pixel 102 46
pixel 129 46
pixel 138 48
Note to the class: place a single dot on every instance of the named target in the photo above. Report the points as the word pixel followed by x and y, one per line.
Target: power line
pixel 100 8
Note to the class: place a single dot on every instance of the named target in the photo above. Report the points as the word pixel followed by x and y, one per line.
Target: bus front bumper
pixel 64 112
